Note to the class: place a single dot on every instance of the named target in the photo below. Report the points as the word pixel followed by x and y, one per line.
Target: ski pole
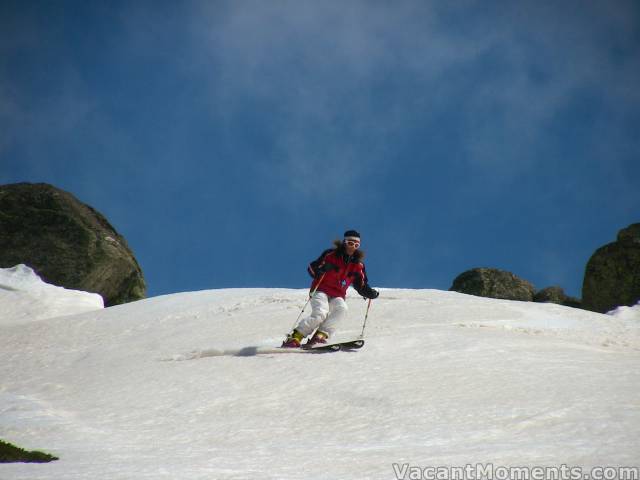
pixel 308 300
pixel 365 319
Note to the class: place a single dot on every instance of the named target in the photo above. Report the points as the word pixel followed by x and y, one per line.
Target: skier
pixel 332 273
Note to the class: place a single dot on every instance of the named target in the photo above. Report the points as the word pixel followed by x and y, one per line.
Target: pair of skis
pixel 335 347
pixel 252 351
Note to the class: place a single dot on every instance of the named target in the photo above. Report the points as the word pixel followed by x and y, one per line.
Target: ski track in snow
pixel 444 379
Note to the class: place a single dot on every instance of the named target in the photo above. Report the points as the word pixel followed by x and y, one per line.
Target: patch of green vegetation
pixel 10 453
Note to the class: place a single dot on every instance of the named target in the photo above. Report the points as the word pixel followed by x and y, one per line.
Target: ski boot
pixel 318 339
pixel 293 340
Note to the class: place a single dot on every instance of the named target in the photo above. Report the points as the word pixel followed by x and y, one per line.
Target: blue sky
pixel 231 141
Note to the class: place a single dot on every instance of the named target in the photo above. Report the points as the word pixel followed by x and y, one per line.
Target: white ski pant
pixel 326 313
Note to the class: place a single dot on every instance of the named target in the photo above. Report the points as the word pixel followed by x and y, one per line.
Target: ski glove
pixel 369 292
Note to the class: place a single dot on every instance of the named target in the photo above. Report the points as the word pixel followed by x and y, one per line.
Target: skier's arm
pixel 361 284
pixel 318 266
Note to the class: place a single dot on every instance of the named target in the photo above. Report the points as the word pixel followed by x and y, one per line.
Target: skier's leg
pixel 337 312
pixel 319 311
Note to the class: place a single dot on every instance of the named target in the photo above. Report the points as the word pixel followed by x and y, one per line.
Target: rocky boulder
pixel 612 275
pixel 493 283
pixel 630 236
pixel 556 295
pixel 67 243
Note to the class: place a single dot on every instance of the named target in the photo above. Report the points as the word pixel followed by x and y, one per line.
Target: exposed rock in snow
pixel 67 242
pixel 612 275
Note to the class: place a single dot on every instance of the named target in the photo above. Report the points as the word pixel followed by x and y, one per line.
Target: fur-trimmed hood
pixel 358 255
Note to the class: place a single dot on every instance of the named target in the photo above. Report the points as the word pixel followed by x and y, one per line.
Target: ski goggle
pixel 352 242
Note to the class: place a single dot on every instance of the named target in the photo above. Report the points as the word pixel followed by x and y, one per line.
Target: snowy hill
pixel 444 379
pixel 24 297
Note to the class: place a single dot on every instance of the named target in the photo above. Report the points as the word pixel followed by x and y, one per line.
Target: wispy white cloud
pixel 322 66
pixel 336 83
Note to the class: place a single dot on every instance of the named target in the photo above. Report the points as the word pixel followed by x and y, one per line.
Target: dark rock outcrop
pixel 630 236
pixel 66 242
pixel 612 275
pixel 493 283
pixel 556 295
pixel 11 454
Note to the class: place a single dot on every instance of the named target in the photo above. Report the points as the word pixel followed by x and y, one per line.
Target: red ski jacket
pixel 346 271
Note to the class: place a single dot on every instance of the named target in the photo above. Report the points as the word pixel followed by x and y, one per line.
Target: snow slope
pixel 444 379
pixel 24 297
